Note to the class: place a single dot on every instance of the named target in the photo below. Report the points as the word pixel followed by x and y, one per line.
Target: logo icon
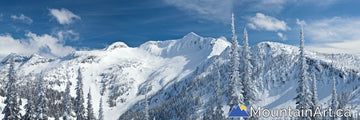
pixel 239 112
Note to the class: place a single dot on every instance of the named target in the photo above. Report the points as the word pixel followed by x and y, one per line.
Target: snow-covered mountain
pixel 178 76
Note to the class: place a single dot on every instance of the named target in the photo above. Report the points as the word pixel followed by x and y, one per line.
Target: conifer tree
pixel 303 98
pixel 90 111
pixel 314 96
pixel 218 112
pixel 146 106
pixel 12 110
pixel 235 86
pixel 56 114
pixel 101 112
pixel 41 108
pixel 79 105
pixel 29 107
pixel 248 82
pixel 67 103
pixel 210 113
pixel 334 101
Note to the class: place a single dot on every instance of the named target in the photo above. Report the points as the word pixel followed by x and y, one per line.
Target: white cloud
pixel 63 16
pixel 68 35
pixel 335 33
pixel 319 3
pixel 1 15
pixel 278 5
pixel 22 18
pixel 264 22
pixel 282 36
pixel 334 29
pixel 46 45
pixel 217 10
pixel 327 49
pixel 300 22
pixel 270 5
pixel 220 10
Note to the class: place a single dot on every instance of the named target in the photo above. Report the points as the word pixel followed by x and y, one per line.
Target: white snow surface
pixel 160 64
pixel 156 63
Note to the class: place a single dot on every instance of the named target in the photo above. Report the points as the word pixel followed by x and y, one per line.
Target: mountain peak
pixel 191 35
pixel 17 58
pixel 117 45
pixel 276 48
pixel 268 44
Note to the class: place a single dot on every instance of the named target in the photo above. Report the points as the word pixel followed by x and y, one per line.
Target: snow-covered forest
pixel 189 78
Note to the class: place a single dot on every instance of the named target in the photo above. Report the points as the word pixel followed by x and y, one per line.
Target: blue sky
pixel 55 28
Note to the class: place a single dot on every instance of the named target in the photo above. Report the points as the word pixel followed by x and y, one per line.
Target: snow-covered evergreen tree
pixel 67 103
pixel 218 112
pixel 248 82
pixel 79 105
pixel 56 114
pixel 314 97
pixel 344 99
pixel 41 108
pixel 29 107
pixel 12 110
pixel 334 101
pixel 146 106
pixel 210 113
pixel 101 112
pixel 90 111
pixel 235 86
pixel 303 98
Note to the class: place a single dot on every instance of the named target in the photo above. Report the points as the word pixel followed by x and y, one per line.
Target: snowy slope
pixel 178 75
pixel 275 72
pixel 120 71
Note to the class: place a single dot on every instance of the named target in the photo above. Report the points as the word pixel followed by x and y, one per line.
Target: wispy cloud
pixel 300 22
pixel 269 5
pixel 22 18
pixel 268 23
pixel 322 3
pixel 64 16
pixel 220 10
pixel 335 33
pixel 1 16
pixel 217 10
pixel 46 45
pixel 282 36
pixel 68 35
pixel 278 5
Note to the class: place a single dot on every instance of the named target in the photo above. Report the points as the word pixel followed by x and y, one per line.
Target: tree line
pixel 37 107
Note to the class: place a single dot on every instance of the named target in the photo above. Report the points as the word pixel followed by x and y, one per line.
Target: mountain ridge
pixel 167 70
